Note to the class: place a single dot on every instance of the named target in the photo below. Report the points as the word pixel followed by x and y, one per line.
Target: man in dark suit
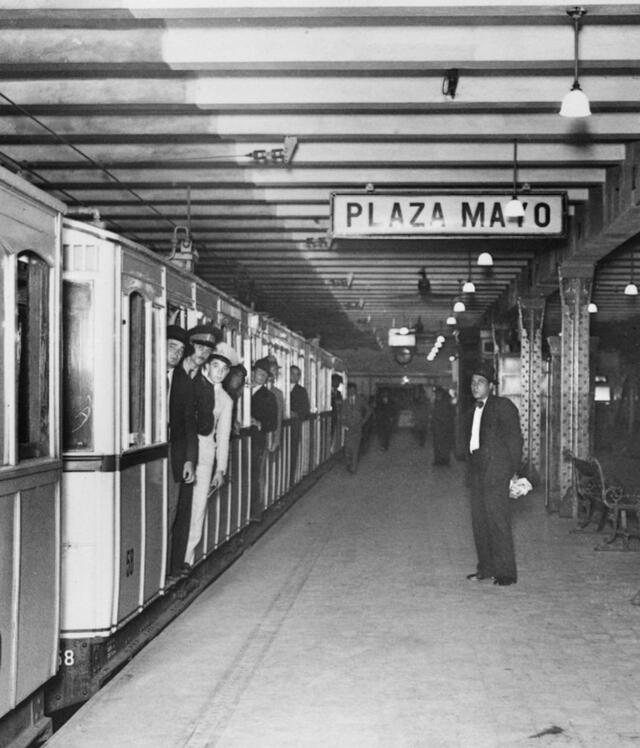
pixel 183 438
pixel 264 422
pixel 495 452
pixel 300 410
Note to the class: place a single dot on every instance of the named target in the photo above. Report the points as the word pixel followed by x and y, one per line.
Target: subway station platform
pixel 351 624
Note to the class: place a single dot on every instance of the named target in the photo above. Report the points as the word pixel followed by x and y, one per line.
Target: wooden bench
pixel 601 501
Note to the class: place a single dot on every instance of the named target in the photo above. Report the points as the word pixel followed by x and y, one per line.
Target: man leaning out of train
pixel 213 444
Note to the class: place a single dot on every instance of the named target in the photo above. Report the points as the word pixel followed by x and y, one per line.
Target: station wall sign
pixel 391 214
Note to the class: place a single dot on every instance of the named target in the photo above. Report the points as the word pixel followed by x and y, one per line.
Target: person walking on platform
pixel 442 427
pixel 300 411
pixel 213 446
pixel 264 421
pixel 355 412
pixel 495 451
pixel 183 444
pixel 421 413
pixel 385 416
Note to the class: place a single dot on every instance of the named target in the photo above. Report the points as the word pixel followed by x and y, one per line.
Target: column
pixel 530 317
pixel 575 292
pixel 553 493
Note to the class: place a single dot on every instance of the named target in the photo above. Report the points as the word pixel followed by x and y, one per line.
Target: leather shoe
pixel 504 581
pixel 477 576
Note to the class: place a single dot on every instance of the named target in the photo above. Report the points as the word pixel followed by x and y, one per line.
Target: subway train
pixel 83 578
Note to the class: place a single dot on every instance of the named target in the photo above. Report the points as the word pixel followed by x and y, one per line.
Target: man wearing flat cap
pixel 183 441
pixel 495 450
pixel 264 421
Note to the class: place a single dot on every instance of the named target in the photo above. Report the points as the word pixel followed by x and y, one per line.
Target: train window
pixel 32 356
pixel 176 315
pixel 137 369
pixel 157 373
pixel 77 366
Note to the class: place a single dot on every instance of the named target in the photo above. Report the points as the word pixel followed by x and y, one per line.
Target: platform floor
pixel 351 624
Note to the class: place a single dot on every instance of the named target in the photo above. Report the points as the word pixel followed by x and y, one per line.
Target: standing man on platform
pixel 300 410
pixel 183 439
pixel 495 451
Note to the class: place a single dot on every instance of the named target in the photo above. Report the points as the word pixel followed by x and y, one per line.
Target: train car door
pixel 143 458
pixel 30 465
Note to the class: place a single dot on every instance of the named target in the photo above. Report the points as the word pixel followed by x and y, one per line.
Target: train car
pixel 117 299
pixel 30 471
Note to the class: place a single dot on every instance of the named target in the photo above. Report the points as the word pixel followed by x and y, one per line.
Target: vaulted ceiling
pixel 238 120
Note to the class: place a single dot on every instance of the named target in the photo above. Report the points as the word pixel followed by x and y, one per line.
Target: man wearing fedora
pixel 495 450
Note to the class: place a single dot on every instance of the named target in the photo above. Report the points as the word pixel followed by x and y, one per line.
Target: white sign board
pixel 407 214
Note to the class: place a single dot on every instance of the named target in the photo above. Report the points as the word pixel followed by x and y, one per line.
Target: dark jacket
pixel 264 408
pixel 300 402
pixel 500 452
pixel 205 401
pixel 183 438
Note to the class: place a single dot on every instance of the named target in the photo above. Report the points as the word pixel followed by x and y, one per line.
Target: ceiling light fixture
pixel 469 286
pixel 459 306
pixel 575 103
pixel 514 208
pixel 631 289
pixel 485 260
pixel 593 307
pixel 452 320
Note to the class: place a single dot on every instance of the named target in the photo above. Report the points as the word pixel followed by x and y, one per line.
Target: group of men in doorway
pixel 205 380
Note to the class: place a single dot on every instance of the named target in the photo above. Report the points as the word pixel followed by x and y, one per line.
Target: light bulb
pixel 593 307
pixel 514 208
pixel 575 103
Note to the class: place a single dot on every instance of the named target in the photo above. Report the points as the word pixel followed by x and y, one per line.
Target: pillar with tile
pixel 575 292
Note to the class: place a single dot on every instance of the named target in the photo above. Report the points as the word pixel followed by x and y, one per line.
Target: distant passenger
pixel 300 411
pixel 355 411
pixel 442 427
pixel 385 417
pixel 264 421
pixel 336 412
pixel 183 442
pixel 421 415
pixel 213 444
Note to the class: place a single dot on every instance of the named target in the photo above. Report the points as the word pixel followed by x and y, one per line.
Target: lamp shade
pixel 451 320
pixel 631 289
pixel 575 103
pixel 485 259
pixel 514 208
pixel 469 287
pixel 593 307
pixel 460 307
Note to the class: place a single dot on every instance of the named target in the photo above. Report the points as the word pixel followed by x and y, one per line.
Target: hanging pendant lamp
pixel 469 286
pixel 575 103
pixel 631 289
pixel 514 208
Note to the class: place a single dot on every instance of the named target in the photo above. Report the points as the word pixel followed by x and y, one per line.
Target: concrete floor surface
pixel 351 624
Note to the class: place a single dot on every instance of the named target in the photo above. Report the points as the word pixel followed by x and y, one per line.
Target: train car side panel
pixel 38 594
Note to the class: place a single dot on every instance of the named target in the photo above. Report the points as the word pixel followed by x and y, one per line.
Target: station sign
pixel 391 214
